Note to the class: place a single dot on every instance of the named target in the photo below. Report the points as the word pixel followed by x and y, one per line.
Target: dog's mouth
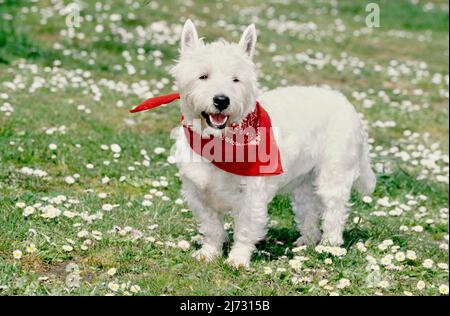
pixel 216 120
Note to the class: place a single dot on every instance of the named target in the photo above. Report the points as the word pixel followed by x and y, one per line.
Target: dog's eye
pixel 203 77
pixel 235 80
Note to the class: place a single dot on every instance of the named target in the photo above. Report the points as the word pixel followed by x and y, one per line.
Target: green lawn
pixel 93 219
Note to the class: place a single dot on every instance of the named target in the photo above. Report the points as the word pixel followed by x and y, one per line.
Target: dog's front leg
pixel 211 227
pixel 210 224
pixel 250 223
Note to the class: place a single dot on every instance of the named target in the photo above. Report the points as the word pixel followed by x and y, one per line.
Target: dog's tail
pixel 365 183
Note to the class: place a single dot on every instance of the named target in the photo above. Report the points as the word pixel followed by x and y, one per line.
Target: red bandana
pixel 248 149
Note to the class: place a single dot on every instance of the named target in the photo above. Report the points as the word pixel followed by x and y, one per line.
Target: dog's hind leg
pixel 307 207
pixel 334 188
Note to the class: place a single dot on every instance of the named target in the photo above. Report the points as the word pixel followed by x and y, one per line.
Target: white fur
pixel 322 143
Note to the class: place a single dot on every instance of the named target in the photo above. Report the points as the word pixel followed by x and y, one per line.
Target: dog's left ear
pixel 248 40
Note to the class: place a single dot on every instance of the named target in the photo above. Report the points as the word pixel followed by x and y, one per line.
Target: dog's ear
pixel 189 36
pixel 248 40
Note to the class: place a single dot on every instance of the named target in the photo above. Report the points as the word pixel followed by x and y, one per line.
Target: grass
pixel 45 83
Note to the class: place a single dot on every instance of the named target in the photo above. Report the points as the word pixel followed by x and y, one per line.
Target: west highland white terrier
pixel 321 140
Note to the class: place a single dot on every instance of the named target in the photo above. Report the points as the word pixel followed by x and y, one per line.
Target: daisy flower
pixel 323 282
pixel 295 264
pixel 367 199
pixel 268 270
pixel 20 205
pixel 443 266
pixel 17 254
pixel 420 285
pixel 387 260
pixel 411 255
pixel 400 256
pixel 343 283
pixel 361 247
pixel 183 244
pixel 159 150
pixel 113 286
pixel 443 289
pixel 31 248
pixel 69 180
pixel 67 248
pixel 111 271
pixel 27 211
pixel 115 148
pixel 428 263
pixel 135 289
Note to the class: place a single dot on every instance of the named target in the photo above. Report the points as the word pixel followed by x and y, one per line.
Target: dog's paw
pixel 239 256
pixel 304 241
pixel 238 262
pixel 206 254
pixel 333 241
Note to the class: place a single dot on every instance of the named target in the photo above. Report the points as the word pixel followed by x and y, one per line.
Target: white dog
pixel 321 140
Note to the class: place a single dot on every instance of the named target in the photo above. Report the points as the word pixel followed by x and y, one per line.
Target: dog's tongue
pixel 218 119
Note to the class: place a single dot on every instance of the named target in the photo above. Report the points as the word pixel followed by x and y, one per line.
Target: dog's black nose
pixel 221 102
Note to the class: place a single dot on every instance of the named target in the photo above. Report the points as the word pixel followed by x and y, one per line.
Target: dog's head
pixel 217 81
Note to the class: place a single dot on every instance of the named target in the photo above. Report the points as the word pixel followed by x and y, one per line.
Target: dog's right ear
pixel 189 37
